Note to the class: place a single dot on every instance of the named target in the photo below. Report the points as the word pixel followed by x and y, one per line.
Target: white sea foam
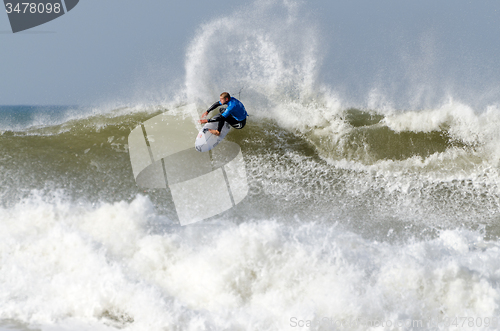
pixel 66 266
pixel 267 49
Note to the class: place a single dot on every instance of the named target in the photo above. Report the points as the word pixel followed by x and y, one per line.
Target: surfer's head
pixel 224 98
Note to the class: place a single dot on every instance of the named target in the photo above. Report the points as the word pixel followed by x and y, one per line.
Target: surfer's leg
pixel 241 124
pixel 235 123
pixel 222 120
pixel 230 119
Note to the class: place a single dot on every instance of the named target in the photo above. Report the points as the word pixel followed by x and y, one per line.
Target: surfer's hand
pixel 203 121
pixel 215 132
pixel 204 114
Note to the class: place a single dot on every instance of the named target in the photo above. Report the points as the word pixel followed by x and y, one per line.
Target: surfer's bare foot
pixel 215 132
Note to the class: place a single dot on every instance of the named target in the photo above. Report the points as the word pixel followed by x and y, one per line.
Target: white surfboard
pixel 205 140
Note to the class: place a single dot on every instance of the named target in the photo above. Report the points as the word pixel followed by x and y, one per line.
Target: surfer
pixel 235 113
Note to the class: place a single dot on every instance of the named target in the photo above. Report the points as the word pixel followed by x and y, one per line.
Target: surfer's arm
pixel 213 119
pixel 212 107
pixel 228 111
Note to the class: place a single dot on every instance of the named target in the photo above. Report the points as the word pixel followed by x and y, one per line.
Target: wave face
pixel 354 213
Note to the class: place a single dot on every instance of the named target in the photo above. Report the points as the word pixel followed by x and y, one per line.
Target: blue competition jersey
pixel 236 109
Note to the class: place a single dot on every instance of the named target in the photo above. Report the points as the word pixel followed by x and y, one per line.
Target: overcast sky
pixel 106 49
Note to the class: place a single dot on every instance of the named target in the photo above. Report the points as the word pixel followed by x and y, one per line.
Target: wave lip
pixel 450 136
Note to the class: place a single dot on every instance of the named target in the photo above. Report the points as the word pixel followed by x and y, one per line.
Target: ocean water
pixel 358 217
